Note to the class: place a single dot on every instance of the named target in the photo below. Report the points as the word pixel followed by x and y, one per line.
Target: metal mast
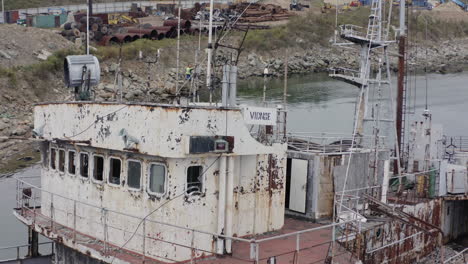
pixel 210 51
pixel 401 81
pixel 368 41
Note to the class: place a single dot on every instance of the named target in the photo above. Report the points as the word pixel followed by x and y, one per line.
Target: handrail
pixel 22 246
pixel 253 242
pixel 303 231
pixel 25 245
pixel 133 216
pixel 456 255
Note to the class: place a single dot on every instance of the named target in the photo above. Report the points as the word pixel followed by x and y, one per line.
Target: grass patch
pixel 313 28
pixel 9 73
pixel 21 160
pixel 53 65
pixel 304 30
pixel 132 49
pixel 437 29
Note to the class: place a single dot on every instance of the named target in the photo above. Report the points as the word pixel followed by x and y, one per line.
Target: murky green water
pixel 316 103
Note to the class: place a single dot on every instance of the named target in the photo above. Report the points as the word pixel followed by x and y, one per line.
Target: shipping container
pixel 11 17
pixel 49 21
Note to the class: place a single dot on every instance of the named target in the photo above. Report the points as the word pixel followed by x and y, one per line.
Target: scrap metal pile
pixel 122 29
pixel 107 29
pixel 252 13
pixel 243 12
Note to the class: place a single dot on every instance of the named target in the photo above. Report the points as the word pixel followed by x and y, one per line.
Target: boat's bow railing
pixel 330 143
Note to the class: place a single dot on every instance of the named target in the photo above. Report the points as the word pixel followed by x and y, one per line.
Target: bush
pixel 302 31
pixel 9 73
pixel 53 65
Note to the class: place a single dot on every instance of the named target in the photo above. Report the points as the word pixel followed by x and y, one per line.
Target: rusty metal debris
pixel 260 12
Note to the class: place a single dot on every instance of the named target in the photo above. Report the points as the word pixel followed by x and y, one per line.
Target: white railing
pixel 332 143
pixel 19 255
pixel 28 203
pixel 345 71
pixel 349 30
pixel 462 255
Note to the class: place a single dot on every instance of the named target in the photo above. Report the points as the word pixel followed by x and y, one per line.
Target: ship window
pixel 61 160
pixel 134 174
pixel 157 178
pixel 84 165
pixel 98 170
pixel 194 179
pixel 71 162
pixel 53 153
pixel 115 168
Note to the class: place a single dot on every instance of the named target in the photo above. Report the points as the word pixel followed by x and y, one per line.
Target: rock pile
pixel 27 45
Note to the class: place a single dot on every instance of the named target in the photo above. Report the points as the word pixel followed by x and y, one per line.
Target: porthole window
pixel 157 179
pixel 98 168
pixel 61 160
pixel 53 158
pixel 134 174
pixel 115 169
pixel 71 162
pixel 84 165
pixel 194 179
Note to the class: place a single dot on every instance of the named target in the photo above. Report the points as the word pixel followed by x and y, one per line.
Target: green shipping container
pixel 49 21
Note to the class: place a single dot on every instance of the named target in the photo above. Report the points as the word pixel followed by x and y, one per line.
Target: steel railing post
pixel 192 247
pixel 297 247
pixel 17 253
pixel 104 223
pixel 52 212
pixel 256 253
pixel 144 239
pixel 253 250
pixel 34 208
pixel 74 221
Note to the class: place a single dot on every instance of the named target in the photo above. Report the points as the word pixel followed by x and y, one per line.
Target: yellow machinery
pixel 115 19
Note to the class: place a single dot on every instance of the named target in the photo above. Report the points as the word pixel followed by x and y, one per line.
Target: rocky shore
pixel 443 57
pixel 158 83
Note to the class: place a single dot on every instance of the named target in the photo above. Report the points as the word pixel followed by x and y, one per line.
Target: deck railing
pixel 332 143
pixel 78 216
pixel 460 257
pixel 459 143
pixel 18 251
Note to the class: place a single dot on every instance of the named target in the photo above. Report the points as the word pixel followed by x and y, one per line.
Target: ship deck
pixel 314 246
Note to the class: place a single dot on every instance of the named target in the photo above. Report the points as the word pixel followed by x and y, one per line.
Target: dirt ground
pixel 448 11
pixel 22 45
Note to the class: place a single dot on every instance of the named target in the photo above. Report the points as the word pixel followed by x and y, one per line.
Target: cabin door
pixel 296 189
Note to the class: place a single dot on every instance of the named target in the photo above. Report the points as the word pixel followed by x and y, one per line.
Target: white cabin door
pixel 297 194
